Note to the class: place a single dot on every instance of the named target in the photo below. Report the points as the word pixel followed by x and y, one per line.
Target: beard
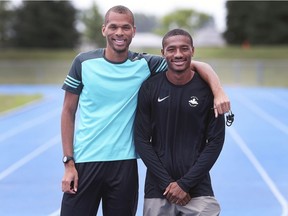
pixel 119 49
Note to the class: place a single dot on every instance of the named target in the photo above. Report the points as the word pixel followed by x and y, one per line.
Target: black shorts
pixel 113 182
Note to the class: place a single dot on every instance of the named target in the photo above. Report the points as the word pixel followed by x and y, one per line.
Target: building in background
pixel 207 36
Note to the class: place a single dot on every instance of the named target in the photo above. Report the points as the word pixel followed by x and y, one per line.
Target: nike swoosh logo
pixel 162 99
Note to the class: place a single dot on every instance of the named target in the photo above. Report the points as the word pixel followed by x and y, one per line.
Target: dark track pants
pixel 115 183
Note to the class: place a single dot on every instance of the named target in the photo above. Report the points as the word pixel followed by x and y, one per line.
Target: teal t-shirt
pixel 107 102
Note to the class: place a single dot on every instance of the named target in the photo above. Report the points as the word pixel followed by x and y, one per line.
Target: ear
pixel 193 51
pixel 134 31
pixel 162 52
pixel 103 30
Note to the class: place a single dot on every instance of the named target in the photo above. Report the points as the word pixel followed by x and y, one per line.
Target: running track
pixel 250 177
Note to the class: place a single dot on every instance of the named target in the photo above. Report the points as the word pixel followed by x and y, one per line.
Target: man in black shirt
pixel 177 135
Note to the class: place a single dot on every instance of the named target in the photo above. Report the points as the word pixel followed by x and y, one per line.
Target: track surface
pixel 249 178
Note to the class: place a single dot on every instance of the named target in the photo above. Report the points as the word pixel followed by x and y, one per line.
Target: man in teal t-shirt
pixel 99 158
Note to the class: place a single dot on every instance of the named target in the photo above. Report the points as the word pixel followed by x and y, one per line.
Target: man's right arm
pixel 142 140
pixel 67 133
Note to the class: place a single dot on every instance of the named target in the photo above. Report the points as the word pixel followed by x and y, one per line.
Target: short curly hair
pixel 121 10
pixel 175 32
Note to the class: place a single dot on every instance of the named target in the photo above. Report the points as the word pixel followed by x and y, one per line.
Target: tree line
pixel 58 24
pixel 257 22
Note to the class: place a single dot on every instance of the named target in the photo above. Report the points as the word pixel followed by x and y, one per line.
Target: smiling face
pixel 119 30
pixel 178 51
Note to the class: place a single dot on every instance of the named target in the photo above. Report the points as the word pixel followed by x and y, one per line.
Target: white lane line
pixel 275 99
pixel 262 114
pixel 28 124
pixel 55 140
pixel 272 186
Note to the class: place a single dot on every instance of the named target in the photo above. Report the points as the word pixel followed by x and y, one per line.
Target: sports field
pixel 250 178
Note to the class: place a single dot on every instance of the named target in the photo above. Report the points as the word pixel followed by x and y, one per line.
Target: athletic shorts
pixel 115 183
pixel 198 206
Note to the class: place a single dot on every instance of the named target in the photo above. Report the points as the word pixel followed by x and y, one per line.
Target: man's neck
pixel 180 78
pixel 114 56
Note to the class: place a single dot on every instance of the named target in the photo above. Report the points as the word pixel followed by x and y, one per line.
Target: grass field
pixel 257 66
pixel 231 52
pixel 9 102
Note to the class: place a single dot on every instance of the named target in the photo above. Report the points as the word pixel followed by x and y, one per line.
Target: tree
pixel 45 24
pixel 188 19
pixel 257 22
pixel 145 23
pixel 93 22
pixel 5 17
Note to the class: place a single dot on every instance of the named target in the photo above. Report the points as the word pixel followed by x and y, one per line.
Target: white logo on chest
pixel 193 102
pixel 162 99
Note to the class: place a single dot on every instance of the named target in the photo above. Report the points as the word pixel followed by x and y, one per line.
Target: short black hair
pixel 175 32
pixel 121 10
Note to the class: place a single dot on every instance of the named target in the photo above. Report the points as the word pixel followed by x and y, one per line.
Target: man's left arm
pixel 215 136
pixel 178 192
pixel 221 100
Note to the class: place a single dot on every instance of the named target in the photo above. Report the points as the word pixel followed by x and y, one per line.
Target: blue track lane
pixel 250 177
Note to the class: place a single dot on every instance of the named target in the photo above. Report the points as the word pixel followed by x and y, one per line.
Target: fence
pixel 251 72
pixel 231 72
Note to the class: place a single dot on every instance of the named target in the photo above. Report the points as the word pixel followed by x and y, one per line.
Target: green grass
pixel 9 102
pixel 239 53
pixel 36 54
pixel 229 52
